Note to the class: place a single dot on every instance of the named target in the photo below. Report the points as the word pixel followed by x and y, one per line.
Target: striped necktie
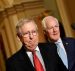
pixel 37 64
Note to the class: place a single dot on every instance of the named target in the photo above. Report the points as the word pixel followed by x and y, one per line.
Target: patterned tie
pixel 37 64
pixel 62 54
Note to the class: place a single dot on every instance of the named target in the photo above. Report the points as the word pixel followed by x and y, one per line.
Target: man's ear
pixel 20 37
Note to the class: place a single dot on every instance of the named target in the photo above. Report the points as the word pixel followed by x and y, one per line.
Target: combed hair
pixel 44 21
pixel 21 23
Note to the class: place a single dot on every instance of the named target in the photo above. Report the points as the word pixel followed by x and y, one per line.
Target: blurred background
pixel 13 10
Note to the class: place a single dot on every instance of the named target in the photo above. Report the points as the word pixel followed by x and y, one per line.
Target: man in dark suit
pixel 69 45
pixel 65 46
pixel 21 62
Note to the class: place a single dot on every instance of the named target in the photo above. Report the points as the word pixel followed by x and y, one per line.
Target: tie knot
pixel 33 52
pixel 57 43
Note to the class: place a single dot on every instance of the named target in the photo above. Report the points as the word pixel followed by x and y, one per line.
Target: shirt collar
pixel 36 49
pixel 58 41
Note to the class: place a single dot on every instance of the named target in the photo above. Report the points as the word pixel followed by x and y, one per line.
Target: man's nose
pixel 30 35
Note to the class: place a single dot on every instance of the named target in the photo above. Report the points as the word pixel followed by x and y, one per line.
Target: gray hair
pixel 45 20
pixel 21 23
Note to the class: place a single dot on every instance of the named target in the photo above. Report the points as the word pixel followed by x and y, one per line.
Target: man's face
pixel 52 29
pixel 29 36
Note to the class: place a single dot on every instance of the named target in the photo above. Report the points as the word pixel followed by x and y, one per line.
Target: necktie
pixel 37 64
pixel 62 54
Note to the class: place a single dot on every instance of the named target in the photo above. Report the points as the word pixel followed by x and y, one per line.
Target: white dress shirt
pixel 38 55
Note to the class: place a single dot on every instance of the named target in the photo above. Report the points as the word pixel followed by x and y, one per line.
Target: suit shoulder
pixel 48 45
pixel 69 39
pixel 45 44
pixel 15 56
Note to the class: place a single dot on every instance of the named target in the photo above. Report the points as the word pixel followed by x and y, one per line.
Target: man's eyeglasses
pixel 27 34
pixel 56 26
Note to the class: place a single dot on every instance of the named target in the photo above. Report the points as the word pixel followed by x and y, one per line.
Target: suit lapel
pixel 47 57
pixel 25 60
pixel 43 53
pixel 70 54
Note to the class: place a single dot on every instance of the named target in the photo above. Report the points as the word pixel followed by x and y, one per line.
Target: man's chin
pixel 31 48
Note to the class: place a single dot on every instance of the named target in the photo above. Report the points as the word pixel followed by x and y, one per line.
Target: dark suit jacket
pixel 21 62
pixel 69 44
